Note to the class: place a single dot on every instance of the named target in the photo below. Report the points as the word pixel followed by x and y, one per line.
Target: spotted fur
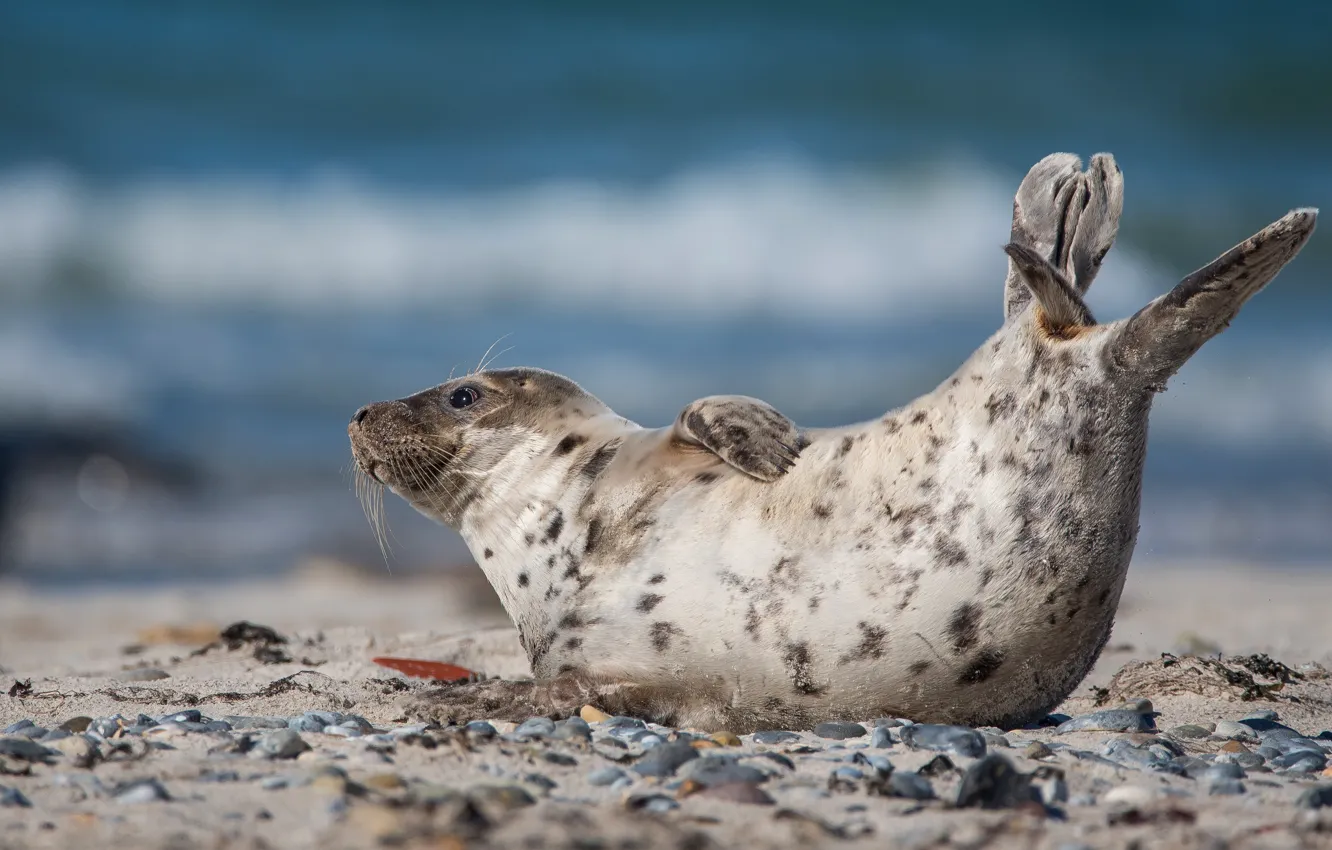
pixel 959 559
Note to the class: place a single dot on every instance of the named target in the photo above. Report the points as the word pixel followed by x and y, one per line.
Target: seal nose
pixel 360 414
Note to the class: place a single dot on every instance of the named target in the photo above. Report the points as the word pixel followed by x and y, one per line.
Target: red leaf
pixel 437 670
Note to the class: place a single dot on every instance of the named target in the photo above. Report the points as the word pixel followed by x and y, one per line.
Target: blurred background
pixel 224 227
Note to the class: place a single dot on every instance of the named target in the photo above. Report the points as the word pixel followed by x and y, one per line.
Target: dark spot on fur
pixel 706 477
pixel 566 668
pixel 593 536
pixel 845 449
pixel 927 484
pixel 569 443
pixel 954 382
pixel 530 538
pixel 1102 596
pixel 798 668
pixel 648 601
pixel 523 580
pixel 1050 597
pixel 964 626
pixel 572 621
pixel 550 562
pixel 917 668
pixel 540 647
pixel 982 666
pixel 1045 396
pixel 891 425
pixel 600 459
pixel 556 526
pixel 661 634
pixel 814 603
pixel 488 554
pixel 918 417
pixel 985 576
pixel 822 511
pixel 1000 406
pixel 949 551
pixel 552 592
pixel 752 621
pixel 657 578
pixel 573 643
pixel 871 642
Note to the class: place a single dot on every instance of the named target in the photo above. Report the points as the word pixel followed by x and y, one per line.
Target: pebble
pixel 726 739
pixel 31 731
pixel 1262 714
pixel 910 785
pixel 1191 731
pixel 561 759
pixel 305 724
pixel 142 791
pixel 1111 720
pixel 574 728
pixel 772 737
pixel 1037 750
pixel 76 725
pixel 55 735
pixel 719 770
pixel 1231 730
pixel 79 750
pixel 881 737
pixel 479 729
pixel 992 782
pixel 665 759
pixel 592 714
pixel 656 803
pixel 1128 795
pixel 992 740
pixel 25 750
pixel 1317 797
pixel 342 731
pixel 838 731
pixel 535 727
pixel 14 728
pixel 143 674
pixel 282 744
pixel 189 715
pixel 959 740
pixel 13 798
pixel 1222 770
pixel 1300 761
pixel 604 776
pixel 1226 788
pixel 240 722
pixel 736 792
pixel 621 722
pixel 1141 706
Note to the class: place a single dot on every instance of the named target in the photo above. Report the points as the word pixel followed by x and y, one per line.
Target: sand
pixel 72 654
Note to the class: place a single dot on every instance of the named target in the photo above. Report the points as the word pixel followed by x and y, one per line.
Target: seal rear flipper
pixel 748 434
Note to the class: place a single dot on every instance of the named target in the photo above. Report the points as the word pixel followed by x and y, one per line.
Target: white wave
pixel 774 237
pixel 44 378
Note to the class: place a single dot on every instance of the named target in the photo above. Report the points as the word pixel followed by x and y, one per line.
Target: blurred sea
pixel 225 227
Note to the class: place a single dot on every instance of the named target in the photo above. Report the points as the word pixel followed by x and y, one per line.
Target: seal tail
pixel 1067 216
pixel 1061 311
pixel 1161 337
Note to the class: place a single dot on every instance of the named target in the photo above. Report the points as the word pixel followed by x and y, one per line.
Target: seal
pixel 959 559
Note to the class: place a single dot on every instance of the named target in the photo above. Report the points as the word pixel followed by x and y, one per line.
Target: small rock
pixel 535 727
pixel 574 728
pixel 881 737
pixel 480 730
pixel 282 744
pixel 996 741
pixel 13 798
pixel 1191 731
pixel 1262 714
pixel 839 731
pixel 561 759
pixel 940 738
pixel 937 766
pixel 735 792
pixel 1237 747
pixel 503 798
pixel 622 722
pixel 665 759
pixel 1037 750
pixel 79 750
pixel 1049 783
pixel 1317 797
pixel 31 732
pixel 994 783
pixel 143 674
pixel 1129 795
pixel 143 791
pixel 1221 770
pixel 1233 731
pixel 655 803
pixel 726 739
pixel 1300 761
pixel 25 750
pixel 241 722
pixel 1141 706
pixel 1111 720
pixel 772 737
pixel 218 776
pixel 1225 788
pixel 910 785
pixel 76 725
pixel 15 728
pixel 606 776
pixel 327 718
pixel 342 731
pixel 720 770
pixel 305 723
pixel 592 714
pixel 189 715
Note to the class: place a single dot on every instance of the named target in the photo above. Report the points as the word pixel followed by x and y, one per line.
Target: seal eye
pixel 463 397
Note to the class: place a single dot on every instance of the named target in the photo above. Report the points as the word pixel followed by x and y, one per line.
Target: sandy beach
pixel 152 651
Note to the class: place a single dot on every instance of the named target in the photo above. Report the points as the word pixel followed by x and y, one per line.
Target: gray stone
pixel 536 727
pixel 994 783
pixel 327 718
pixel 719 770
pixel 1222 770
pixel 1225 788
pixel 561 759
pixel 654 803
pixel 574 728
pixel 665 759
pixel 305 724
pixel 76 725
pixel 1317 797
pixel 342 731
pixel 1111 720
pixel 840 731
pixel 1300 761
pixel 606 776
pixel 189 715
pixel 282 744
pixel 13 798
pixel 243 722
pixel 142 791
pixel 357 722
pixel 772 737
pixel 621 722
pixel 30 732
pixel 480 729
pixel 79 750
pixel 996 741
pixel 959 740
pixel 910 785
pixel 1233 731
pixel 881 737
pixel 55 735
pixel 213 726
pixel 19 726
pixel 25 750
pixel 1262 714
pixel 1189 731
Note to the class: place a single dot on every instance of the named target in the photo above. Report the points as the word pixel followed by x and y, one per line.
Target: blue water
pixel 224 228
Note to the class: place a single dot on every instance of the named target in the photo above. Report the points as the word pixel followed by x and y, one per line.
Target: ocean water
pixel 223 229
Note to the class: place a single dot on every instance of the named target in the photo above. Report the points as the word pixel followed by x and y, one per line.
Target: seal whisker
pixel 481 364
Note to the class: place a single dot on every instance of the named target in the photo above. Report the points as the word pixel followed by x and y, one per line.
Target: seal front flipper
pixel 748 434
